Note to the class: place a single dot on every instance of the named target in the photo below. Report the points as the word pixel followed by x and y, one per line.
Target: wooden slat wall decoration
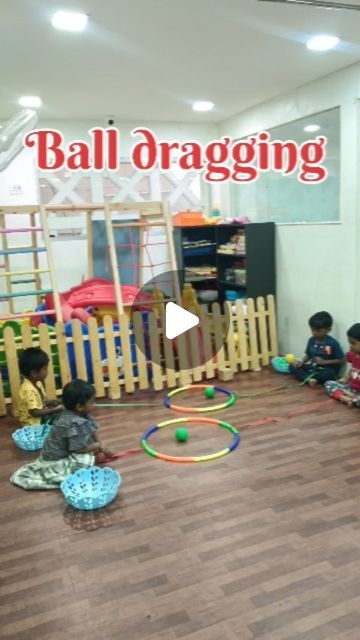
pixel 251 342
pixel 65 372
pixel 2 398
pixel 219 335
pixel 45 345
pixel 272 330
pixel 207 343
pixel 241 333
pixel 26 335
pixel 13 367
pixel 155 352
pixel 80 363
pixel 230 338
pixel 142 368
pixel 98 378
pixel 169 356
pixel 253 337
pixel 114 386
pixel 184 366
pixel 262 332
pixel 197 368
pixel 126 350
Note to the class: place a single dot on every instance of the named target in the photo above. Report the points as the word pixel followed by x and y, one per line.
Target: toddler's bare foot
pixel 312 383
pixel 350 402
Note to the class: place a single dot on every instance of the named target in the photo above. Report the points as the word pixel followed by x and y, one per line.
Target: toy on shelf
pixel 236 244
pixel 236 220
pixel 201 273
pixel 236 275
pixel 193 248
pixel 188 219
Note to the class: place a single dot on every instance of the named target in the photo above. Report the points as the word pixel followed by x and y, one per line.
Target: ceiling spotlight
pixel 203 106
pixel 69 21
pixel 311 128
pixel 322 43
pixel 30 102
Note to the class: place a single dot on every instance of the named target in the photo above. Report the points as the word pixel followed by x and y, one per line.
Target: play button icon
pixel 178 320
pixel 172 332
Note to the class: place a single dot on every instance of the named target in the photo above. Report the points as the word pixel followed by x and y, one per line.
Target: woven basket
pixel 31 438
pixel 91 488
pixel 280 365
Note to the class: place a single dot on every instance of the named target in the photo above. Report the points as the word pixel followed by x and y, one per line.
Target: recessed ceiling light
pixel 30 102
pixel 322 43
pixel 69 21
pixel 203 106
pixel 311 128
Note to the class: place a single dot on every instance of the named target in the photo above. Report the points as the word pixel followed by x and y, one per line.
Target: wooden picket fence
pixel 250 343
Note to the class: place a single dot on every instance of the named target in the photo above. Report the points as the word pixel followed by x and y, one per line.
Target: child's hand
pixel 107 452
pixel 321 361
pixel 51 403
pixel 342 381
pixel 297 364
pixel 58 408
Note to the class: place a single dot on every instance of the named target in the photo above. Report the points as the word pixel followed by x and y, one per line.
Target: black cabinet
pixel 228 258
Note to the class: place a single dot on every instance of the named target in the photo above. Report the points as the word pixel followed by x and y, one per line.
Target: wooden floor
pixel 264 543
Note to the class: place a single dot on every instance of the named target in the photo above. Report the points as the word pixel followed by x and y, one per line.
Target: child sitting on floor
pixel 347 389
pixel 33 406
pixel 323 356
pixel 71 444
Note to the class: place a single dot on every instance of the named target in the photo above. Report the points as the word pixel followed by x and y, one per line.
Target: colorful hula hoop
pixel 169 423
pixel 194 387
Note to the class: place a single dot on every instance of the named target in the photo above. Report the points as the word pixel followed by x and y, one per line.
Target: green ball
pixel 181 435
pixel 210 392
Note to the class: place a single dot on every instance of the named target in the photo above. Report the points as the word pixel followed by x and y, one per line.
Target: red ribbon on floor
pixel 121 454
pixel 309 408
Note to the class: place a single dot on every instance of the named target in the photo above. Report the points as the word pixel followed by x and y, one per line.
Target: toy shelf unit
pixel 227 261
pixel 27 281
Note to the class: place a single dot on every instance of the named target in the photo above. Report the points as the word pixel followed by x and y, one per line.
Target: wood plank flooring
pixel 264 543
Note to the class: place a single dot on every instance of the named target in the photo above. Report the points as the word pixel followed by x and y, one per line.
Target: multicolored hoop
pixel 210 457
pixel 195 387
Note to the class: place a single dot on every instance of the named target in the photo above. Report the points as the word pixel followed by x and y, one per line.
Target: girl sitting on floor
pixel 347 390
pixel 71 444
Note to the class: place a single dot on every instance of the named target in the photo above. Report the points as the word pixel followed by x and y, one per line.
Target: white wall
pixel 317 264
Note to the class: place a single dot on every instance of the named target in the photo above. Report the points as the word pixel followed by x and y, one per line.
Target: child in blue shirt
pixel 323 357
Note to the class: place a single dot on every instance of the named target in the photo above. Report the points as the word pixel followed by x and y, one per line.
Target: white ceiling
pixel 149 59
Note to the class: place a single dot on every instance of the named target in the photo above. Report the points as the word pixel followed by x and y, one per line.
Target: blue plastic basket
pixel 91 488
pixel 31 438
pixel 280 365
